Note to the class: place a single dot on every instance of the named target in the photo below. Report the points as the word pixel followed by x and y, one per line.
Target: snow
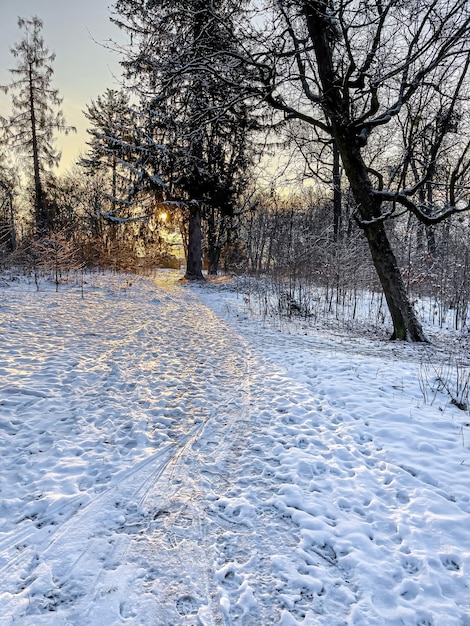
pixel 167 458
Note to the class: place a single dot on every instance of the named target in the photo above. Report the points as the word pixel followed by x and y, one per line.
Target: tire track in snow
pixel 159 506
pixel 170 517
pixel 70 361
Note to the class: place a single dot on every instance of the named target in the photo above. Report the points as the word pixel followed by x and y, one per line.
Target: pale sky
pixel 73 29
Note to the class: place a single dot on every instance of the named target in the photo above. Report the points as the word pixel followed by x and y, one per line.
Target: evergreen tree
pixel 111 129
pixel 180 63
pixel 8 182
pixel 35 116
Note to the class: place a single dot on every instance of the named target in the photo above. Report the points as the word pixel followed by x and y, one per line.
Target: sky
pixel 77 31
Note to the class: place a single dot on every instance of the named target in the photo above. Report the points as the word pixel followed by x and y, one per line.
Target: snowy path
pixel 142 388
pixel 166 461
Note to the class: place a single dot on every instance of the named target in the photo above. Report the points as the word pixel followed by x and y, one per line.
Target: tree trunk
pixel 213 247
pixel 40 217
pixel 405 323
pixel 430 238
pixel 194 259
pixel 194 255
pixel 12 223
pixel 213 259
pixel 336 106
pixel 337 214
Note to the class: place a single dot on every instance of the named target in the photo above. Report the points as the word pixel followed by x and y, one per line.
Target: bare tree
pixel 349 69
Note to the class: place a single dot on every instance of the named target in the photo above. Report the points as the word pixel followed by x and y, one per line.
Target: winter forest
pixel 276 189
pixel 365 102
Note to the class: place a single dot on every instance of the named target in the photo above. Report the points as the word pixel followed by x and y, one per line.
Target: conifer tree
pixel 111 127
pixel 189 88
pixel 8 182
pixel 35 116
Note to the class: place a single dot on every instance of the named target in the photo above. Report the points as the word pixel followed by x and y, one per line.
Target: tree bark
pixel 337 213
pixel 406 325
pixel 12 223
pixel 40 217
pixel 213 258
pixel 213 240
pixel 194 257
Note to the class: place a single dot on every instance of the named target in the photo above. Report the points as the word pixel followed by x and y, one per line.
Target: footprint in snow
pixel 411 566
pixel 187 605
pixel 450 562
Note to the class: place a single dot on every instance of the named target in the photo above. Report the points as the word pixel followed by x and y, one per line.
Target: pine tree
pixel 35 116
pixel 180 62
pixel 8 182
pixel 111 129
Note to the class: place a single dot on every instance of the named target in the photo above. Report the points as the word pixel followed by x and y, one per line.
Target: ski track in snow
pixel 166 460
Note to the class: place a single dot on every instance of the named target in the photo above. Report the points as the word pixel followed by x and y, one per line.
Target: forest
pixel 364 106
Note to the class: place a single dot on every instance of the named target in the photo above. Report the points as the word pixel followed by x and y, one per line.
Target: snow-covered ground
pixel 167 459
